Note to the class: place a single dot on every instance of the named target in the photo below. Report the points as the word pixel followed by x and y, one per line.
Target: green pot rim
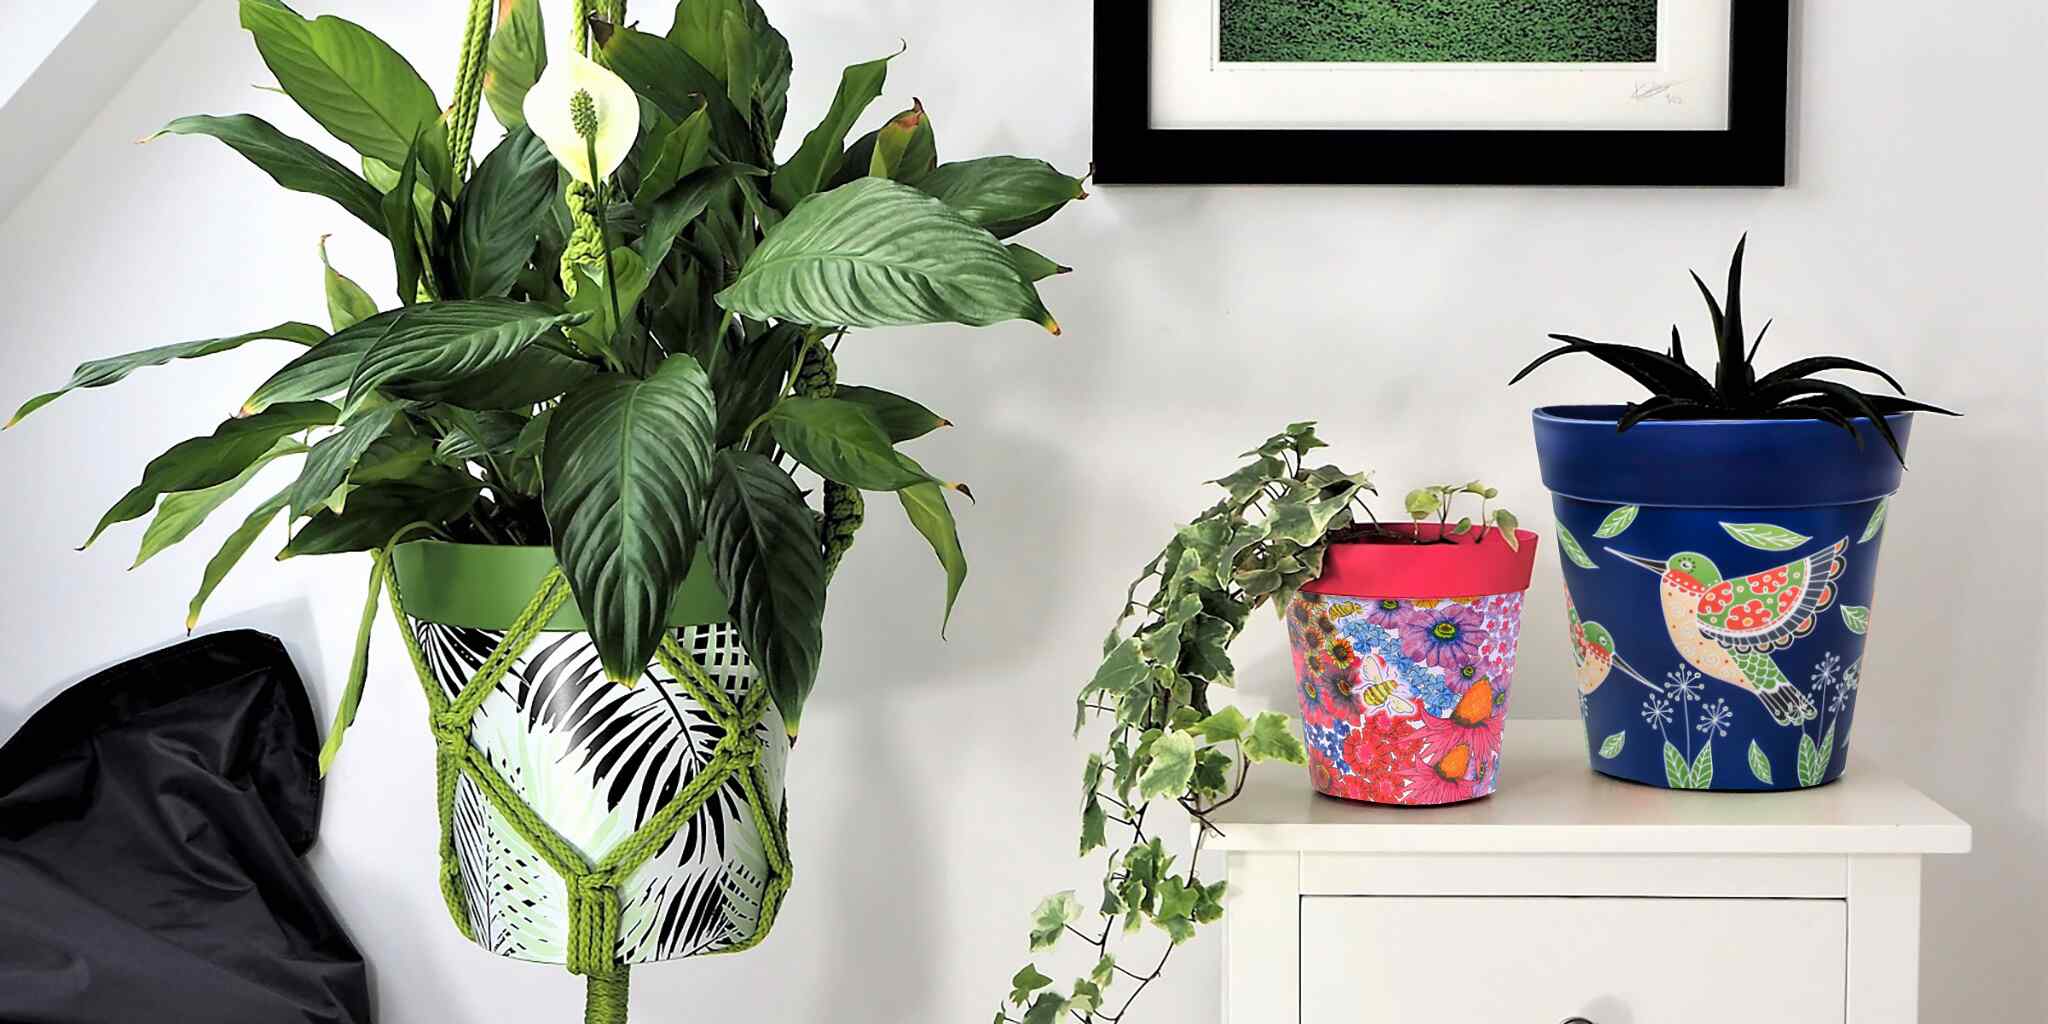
pixel 487 586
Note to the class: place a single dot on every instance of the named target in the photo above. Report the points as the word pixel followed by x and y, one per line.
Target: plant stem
pixel 598 199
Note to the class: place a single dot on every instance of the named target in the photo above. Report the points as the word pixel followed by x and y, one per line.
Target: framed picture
pixel 1441 92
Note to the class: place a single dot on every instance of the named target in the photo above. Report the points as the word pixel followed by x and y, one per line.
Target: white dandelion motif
pixel 1840 700
pixel 1683 684
pixel 1714 718
pixel 1656 711
pixel 1824 673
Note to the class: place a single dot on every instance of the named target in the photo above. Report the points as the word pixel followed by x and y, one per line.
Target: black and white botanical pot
pixel 596 761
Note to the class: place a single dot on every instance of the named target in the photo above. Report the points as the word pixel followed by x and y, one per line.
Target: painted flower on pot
pixel 1472 723
pixel 1445 636
pixel 1443 781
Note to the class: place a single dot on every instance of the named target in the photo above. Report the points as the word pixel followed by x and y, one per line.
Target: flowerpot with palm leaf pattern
pixel 686 764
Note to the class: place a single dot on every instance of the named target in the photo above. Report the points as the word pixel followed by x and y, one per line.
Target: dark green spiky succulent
pixel 1678 392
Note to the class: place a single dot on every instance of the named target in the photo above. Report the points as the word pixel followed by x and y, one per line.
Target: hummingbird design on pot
pixel 1594 654
pixel 1728 627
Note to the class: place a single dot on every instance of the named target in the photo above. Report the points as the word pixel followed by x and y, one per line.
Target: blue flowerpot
pixel 1718 583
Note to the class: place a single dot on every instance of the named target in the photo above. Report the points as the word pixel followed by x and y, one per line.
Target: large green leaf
pixel 876 253
pixel 626 468
pixel 350 81
pixel 699 28
pixel 684 151
pixel 328 464
pixel 901 418
pixel 101 372
pixel 536 373
pixel 666 74
pixel 421 349
pixel 815 161
pixel 764 545
pixel 405 224
pixel 518 55
pixel 498 220
pixel 217 458
pixel 181 513
pixel 843 441
pixel 925 504
pixel 289 162
pixel 1003 194
pixel 748 384
pixel 230 553
pixel 377 513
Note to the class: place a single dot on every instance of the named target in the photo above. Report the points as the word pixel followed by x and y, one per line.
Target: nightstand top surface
pixel 1551 801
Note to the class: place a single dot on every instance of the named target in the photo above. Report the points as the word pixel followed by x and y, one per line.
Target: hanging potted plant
pixel 569 449
pixel 1720 596
pixel 1284 535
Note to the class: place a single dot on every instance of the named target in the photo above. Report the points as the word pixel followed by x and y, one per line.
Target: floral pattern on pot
pixel 1404 701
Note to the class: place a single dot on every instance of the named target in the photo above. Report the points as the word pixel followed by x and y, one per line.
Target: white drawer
pixel 1542 960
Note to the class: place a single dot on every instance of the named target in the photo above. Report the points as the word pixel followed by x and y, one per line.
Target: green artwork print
pixel 1439 31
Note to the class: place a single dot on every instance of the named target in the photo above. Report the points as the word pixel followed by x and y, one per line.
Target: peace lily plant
pixel 614 334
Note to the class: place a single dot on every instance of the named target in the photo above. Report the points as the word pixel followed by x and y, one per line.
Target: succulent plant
pixel 1678 392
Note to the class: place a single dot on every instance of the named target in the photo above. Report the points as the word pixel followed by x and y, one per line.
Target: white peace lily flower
pixel 575 85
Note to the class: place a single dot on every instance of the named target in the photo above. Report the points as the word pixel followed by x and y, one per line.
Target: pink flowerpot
pixel 1404 655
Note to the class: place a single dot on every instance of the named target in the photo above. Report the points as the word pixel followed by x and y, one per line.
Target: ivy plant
pixel 615 333
pixel 1168 742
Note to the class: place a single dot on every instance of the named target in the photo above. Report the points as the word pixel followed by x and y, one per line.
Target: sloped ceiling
pixel 61 61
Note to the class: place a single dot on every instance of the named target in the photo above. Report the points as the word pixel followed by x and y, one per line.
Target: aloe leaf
pixel 1004 195
pixel 1807 367
pixel 764 547
pixel 289 162
pixel 926 506
pixel 217 458
pixel 1734 375
pixel 626 469
pixel 101 372
pixel 876 253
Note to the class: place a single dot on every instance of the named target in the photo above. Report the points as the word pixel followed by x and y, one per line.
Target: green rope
pixel 579 26
pixel 593 889
pixel 845 510
pixel 469 83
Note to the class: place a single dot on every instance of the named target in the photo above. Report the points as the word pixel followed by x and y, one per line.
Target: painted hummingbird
pixel 1728 627
pixel 1594 654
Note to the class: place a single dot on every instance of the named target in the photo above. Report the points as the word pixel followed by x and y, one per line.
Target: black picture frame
pixel 1750 152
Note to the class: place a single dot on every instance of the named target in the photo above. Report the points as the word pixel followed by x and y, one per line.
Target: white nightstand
pixel 1571 895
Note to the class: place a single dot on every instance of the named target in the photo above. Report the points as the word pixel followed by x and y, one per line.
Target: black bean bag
pixel 152 819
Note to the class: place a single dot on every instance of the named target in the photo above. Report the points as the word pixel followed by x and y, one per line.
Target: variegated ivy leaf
pixel 1765 536
pixel 1617 521
pixel 1172 767
pixel 1271 739
pixel 1026 982
pixel 1051 918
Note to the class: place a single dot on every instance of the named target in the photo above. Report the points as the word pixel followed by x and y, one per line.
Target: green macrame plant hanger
pixel 592 887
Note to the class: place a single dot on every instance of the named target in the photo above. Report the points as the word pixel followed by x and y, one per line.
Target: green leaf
pixel 1003 194
pixel 925 504
pixel 498 219
pixel 1677 773
pixel 627 466
pixel 684 151
pixel 594 298
pixel 101 372
pixel 1048 1008
pixel 1171 769
pixel 1507 524
pixel 822 149
pixel 181 513
pixel 289 162
pixel 1857 618
pixel 1122 670
pixel 217 458
pixel 764 547
pixel 1272 740
pixel 517 56
pixel 358 671
pixel 843 441
pixel 404 222
pixel 902 419
pixel 665 73
pixel 1610 748
pixel 332 458
pixel 1570 546
pixel 230 553
pixel 1051 918
pixel 347 303
pixel 350 81
pixel 418 351
pixel 1765 536
pixel 1033 266
pixel 377 513
pixel 1759 764
pixel 1811 766
pixel 1826 755
pixel 875 253
pixel 1226 726
pixel 1702 774
pixel 904 149
pixel 1877 517
pixel 1026 982
pixel 1617 521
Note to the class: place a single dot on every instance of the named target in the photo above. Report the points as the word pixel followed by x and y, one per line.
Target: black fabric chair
pixel 152 819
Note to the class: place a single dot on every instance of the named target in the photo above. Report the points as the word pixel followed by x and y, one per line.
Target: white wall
pixel 933 793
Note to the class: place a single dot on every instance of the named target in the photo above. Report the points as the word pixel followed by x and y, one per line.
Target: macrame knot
pixel 451 736
pixel 593 923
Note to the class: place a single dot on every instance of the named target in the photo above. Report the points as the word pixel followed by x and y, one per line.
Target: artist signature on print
pixel 1667 91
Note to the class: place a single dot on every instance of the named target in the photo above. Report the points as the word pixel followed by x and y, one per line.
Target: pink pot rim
pixel 1466 567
